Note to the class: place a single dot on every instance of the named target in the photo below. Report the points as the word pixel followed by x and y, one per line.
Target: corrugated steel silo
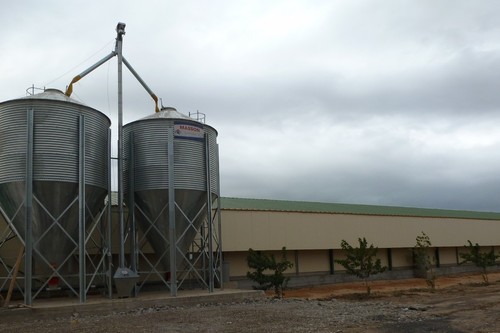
pixel 147 173
pixel 58 124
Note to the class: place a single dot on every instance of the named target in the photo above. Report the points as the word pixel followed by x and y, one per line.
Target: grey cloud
pixel 376 103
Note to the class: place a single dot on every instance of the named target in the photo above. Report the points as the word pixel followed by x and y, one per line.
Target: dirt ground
pixel 459 304
pixel 389 286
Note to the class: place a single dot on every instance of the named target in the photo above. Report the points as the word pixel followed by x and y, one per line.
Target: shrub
pixel 423 261
pixel 268 272
pixel 360 261
pixel 480 259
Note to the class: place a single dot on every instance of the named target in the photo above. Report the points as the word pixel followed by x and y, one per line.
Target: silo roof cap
pixel 53 95
pixel 168 113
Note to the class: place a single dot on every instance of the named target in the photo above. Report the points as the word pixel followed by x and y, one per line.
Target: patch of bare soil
pixel 389 286
pixel 459 304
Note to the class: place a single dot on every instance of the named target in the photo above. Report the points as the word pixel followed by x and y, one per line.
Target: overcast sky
pixel 365 102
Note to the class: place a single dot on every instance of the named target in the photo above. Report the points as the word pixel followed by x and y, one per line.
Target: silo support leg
pixel 171 215
pixel 17 266
pixel 81 208
pixel 28 205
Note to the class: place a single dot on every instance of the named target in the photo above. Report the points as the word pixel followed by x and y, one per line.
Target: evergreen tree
pixel 480 259
pixel 360 261
pixel 423 261
pixel 268 272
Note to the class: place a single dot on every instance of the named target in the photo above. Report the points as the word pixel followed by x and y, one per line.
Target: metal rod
pixel 109 253
pixel 141 81
pixel 69 90
pixel 119 41
pixel 171 213
pixel 28 235
pixel 203 251
pixel 131 208
pixel 209 217
pixel 81 212
pixel 219 223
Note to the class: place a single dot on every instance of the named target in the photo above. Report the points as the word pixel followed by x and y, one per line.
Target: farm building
pixel 312 233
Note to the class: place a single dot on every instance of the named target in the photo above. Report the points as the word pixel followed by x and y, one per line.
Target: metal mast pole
pixel 120 29
pixel 125 279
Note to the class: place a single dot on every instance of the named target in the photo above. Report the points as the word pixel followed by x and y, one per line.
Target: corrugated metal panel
pixel 150 144
pixel 12 142
pixel 55 169
pixel 214 159
pixel 56 128
pixel 335 208
pixel 151 157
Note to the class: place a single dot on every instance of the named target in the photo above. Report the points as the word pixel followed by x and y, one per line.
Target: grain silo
pixel 54 173
pixel 171 166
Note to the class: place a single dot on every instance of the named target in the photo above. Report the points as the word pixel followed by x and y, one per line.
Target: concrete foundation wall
pixel 340 277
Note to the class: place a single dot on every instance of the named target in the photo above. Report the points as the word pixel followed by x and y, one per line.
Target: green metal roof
pixel 336 208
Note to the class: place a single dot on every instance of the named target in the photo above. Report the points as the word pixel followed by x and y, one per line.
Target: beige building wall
pixel 267 230
pixel 338 255
pixel 447 256
pixel 237 263
pixel 309 236
pixel 382 255
pixel 312 261
pixel 402 258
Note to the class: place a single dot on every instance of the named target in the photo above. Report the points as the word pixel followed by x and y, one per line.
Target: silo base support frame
pixel 205 250
pixel 152 266
pixel 87 234
pixel 215 224
pixel 194 266
pixel 8 274
pixel 95 263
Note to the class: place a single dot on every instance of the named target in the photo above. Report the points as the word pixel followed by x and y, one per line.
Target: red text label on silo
pixel 188 130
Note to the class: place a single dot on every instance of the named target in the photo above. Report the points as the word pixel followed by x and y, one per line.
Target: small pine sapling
pixel 423 261
pixel 482 260
pixel 268 272
pixel 360 261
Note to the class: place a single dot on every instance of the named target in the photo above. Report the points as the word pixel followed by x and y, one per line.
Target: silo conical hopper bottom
pixel 153 219
pixel 55 219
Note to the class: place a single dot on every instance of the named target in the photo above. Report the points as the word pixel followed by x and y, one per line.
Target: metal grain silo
pixel 53 181
pixel 171 165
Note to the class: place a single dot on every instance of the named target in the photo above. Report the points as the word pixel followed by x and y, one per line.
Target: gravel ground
pixel 267 315
pixel 460 308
